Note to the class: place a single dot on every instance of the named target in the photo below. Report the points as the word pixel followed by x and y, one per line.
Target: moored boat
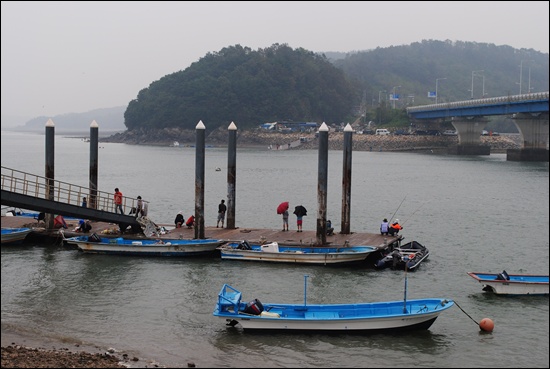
pixel 144 247
pixel 407 256
pixel 416 314
pixel 14 235
pixel 274 252
pixel 512 284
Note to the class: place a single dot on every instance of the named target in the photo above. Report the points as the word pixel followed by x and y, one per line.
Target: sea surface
pixel 479 213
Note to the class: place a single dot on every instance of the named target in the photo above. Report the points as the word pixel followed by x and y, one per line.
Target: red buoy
pixel 486 325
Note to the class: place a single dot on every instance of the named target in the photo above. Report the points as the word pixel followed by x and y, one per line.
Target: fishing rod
pixel 398 208
pixel 410 216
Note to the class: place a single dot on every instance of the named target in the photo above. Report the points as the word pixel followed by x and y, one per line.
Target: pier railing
pixel 45 188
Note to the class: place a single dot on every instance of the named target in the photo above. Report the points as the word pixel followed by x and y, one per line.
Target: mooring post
pixel 199 179
pixel 231 175
pixel 322 181
pixel 50 173
pixel 346 180
pixel 94 141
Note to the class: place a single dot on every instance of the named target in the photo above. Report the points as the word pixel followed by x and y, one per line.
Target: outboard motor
pixel 254 307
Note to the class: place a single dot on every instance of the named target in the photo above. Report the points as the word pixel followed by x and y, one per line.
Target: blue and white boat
pixel 14 235
pixel 274 252
pixel 512 284
pixel 94 244
pixel 417 314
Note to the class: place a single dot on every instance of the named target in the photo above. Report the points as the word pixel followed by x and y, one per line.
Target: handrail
pixel 537 96
pixel 45 188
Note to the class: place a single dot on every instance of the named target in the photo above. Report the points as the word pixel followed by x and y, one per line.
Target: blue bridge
pixel 529 113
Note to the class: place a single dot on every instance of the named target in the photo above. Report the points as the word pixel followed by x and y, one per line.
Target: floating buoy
pixel 486 325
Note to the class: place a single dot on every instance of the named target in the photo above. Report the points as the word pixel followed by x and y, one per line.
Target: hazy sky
pixel 65 57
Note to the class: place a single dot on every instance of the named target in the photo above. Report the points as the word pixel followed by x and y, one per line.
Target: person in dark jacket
pixel 179 220
pixel 222 208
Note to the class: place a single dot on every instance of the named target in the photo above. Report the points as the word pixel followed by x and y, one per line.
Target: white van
pixel 382 132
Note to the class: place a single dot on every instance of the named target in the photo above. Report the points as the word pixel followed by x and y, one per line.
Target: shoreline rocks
pixel 307 141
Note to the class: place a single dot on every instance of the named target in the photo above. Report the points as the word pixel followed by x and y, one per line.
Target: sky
pixel 73 57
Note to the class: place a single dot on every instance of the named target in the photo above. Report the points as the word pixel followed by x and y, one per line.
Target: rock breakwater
pixel 299 141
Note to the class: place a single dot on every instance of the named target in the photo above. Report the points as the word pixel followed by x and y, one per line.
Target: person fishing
pixel 395 228
pixel 384 227
pixel 190 221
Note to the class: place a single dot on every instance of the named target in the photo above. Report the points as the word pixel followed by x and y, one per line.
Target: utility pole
pixel 436 83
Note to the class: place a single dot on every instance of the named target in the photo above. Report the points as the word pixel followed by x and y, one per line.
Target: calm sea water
pixel 473 213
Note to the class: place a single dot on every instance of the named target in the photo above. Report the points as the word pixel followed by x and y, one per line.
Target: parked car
pixel 450 132
pixel 382 132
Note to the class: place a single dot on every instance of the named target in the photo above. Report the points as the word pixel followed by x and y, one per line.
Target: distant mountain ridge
pixel 108 119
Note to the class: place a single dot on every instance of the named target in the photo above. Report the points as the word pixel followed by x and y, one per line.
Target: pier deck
pixel 253 235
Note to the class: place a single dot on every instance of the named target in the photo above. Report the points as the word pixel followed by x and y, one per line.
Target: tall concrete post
pixel 346 180
pixel 231 175
pixel 50 173
pixel 199 179
pixel 94 141
pixel 322 180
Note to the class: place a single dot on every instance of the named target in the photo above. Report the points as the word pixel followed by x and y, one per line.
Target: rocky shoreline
pixel 274 140
pixel 25 357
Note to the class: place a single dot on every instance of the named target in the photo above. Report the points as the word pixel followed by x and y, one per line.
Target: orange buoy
pixel 486 325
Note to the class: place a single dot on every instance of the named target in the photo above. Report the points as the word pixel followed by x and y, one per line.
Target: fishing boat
pixel 401 257
pixel 416 314
pixel 94 244
pixel 14 235
pixel 512 284
pixel 273 252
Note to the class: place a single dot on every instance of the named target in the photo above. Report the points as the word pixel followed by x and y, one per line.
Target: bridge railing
pixel 486 101
pixel 45 188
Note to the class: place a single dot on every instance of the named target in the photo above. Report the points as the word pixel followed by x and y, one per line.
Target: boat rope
pixel 466 313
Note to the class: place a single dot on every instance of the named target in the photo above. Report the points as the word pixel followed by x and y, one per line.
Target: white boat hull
pixel 152 249
pixel 298 255
pixel 512 288
pixel 411 322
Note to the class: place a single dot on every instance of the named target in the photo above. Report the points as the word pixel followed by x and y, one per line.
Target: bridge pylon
pixel 533 128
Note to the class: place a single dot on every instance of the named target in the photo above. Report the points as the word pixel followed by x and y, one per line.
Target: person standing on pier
pixel 285 220
pixel 139 209
pixel 221 213
pixel 118 201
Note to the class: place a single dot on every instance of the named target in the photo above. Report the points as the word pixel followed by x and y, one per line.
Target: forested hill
pixel 248 87
pixel 415 68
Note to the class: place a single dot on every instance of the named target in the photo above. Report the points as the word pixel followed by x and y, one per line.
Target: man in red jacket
pixel 395 228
